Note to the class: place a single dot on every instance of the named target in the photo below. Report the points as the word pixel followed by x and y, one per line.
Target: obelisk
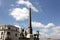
pixel 29 23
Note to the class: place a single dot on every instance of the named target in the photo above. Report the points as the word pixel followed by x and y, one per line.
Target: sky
pixel 45 15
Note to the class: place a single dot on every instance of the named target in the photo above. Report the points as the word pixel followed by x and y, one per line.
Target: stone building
pixel 9 32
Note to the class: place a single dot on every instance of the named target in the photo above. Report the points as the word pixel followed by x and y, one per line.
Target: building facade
pixel 9 32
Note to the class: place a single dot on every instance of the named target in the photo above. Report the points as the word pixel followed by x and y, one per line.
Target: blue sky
pixel 45 14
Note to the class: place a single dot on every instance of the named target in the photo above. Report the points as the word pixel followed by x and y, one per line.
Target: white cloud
pixel 50 25
pixel 43 35
pixel 17 26
pixel 19 14
pixel 46 28
pixel 55 32
pixel 34 32
pixel 27 3
pixel 37 24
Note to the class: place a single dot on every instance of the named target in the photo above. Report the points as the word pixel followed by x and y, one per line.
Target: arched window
pixel 16 34
pixel 9 28
pixel 8 33
pixel 8 38
pixel 1 33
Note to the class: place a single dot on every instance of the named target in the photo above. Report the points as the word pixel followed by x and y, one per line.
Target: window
pixel 0 27
pixel 16 29
pixel 1 37
pixel 8 33
pixel 16 35
pixel 9 28
pixel 1 33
